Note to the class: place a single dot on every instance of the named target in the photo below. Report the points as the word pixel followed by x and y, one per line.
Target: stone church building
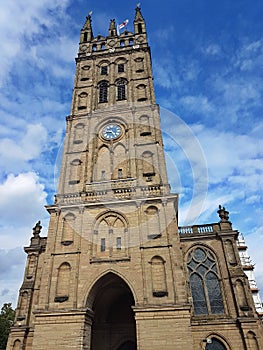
pixel 115 271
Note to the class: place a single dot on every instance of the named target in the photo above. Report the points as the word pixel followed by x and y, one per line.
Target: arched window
pixel 103 91
pixel 120 67
pixel 215 344
pixel 204 283
pixel 104 70
pixel 121 89
pixel 110 238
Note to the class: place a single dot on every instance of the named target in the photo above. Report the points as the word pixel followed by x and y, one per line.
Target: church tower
pixel 115 271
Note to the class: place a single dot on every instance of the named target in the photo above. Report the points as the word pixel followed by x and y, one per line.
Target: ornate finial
pixel 138 14
pixel 87 33
pixel 87 25
pixel 37 229
pixel 112 28
pixel 138 5
pixel 112 24
pixel 223 214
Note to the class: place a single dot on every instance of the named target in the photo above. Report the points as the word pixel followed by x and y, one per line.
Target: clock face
pixel 111 131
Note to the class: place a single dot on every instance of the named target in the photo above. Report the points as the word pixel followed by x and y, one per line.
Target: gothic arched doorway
pixel 113 323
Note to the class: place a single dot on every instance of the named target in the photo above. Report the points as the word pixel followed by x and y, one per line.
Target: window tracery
pixel 204 282
pixel 110 237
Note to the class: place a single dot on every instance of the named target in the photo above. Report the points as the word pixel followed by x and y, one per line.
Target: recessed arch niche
pixel 111 301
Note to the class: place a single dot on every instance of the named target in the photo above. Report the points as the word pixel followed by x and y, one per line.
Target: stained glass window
pixel 204 283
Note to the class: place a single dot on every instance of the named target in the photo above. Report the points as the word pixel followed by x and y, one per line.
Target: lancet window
pixel 121 89
pixel 103 91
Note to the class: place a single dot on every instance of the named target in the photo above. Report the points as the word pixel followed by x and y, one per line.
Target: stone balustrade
pixel 198 229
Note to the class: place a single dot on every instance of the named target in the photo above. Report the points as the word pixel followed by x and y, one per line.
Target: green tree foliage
pixel 7 317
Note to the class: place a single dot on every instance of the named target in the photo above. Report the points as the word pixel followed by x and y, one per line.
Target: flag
pixel 123 24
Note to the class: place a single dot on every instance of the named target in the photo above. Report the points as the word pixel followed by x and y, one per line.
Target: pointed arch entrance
pixel 113 326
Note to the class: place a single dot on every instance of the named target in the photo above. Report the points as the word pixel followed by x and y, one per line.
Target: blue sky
pixel 208 69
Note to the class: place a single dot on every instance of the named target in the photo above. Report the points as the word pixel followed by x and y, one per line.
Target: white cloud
pixel 250 56
pixel 36 16
pixel 15 152
pixel 171 73
pixel 12 264
pixel 22 200
pixel 212 49
pixel 165 75
pixel 200 104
